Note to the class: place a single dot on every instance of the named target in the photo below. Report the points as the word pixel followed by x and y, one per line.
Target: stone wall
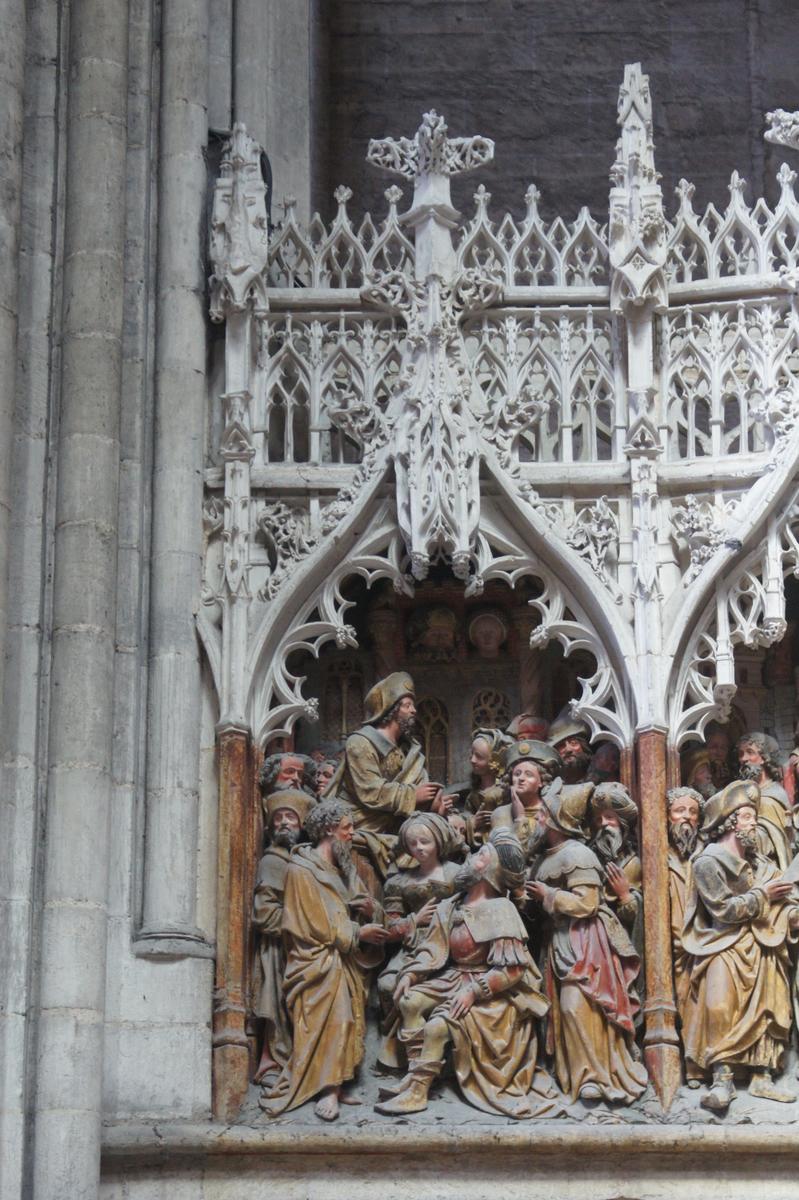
pixel 542 79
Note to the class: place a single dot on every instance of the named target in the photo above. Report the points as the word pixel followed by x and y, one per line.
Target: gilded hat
pixel 614 797
pixel 566 726
pixel 740 793
pixel 530 750
pixel 299 802
pixel 566 806
pixel 387 692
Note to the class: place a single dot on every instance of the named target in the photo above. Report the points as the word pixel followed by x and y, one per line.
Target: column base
pixel 172 943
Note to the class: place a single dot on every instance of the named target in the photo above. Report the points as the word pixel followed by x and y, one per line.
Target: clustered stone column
pixel 12 65
pixel 73 937
pixel 173 708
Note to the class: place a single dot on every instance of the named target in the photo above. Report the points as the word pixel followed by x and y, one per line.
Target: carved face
pixel 487 633
pixel 406 715
pixel 324 773
pixel 701 778
pixel 525 779
pixel 718 746
pixel 422 845
pixel 606 760
pixel 285 819
pixel 480 757
pixel 605 819
pixel 573 752
pixel 290 771
pixel 343 831
pixel 684 811
pixel 749 755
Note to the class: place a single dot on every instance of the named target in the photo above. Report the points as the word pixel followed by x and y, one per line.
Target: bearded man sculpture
pixel 738 920
pixel 286 811
pixel 382 775
pixel 759 761
pixel 571 739
pixel 684 808
pixel 327 957
pixel 591 964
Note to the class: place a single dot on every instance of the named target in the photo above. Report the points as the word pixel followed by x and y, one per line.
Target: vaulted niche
pixel 470 659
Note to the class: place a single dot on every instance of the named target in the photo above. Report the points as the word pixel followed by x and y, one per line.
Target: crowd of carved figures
pixel 496 926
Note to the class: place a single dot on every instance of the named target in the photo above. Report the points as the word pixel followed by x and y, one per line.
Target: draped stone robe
pixel 405 893
pixel 738 1009
pixel 680 872
pixel 268 920
pixel 324 985
pixel 494 1044
pixel 378 778
pixel 590 975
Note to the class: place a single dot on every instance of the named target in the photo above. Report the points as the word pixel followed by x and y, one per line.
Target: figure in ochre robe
pixel 383 776
pixel 738 923
pixel 684 807
pixel 591 964
pixel 286 811
pixel 327 956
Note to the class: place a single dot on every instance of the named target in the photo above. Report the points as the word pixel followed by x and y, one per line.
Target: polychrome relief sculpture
pixel 553 468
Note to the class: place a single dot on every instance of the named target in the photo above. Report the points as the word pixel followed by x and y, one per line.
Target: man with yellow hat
pixel 383 776
pixel 285 811
pixel 737 925
pixel 591 965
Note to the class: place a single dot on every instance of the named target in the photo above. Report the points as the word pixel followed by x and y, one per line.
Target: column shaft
pixel 231 1048
pixel 12 66
pixel 661 1042
pixel 73 935
pixel 173 707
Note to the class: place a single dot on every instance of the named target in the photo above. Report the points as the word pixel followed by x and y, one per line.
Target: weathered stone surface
pixel 534 1162
pixel 544 79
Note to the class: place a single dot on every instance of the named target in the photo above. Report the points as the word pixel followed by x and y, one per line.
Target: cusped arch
pixel 746 608
pixel 312 612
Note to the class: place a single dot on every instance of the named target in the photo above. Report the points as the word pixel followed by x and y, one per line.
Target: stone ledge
pixel 156 1142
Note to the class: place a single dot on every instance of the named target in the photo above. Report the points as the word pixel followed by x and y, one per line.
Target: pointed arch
pixel 746 608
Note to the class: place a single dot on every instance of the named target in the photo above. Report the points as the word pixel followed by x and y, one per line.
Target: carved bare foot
pixel 327 1106
pixel 350 1098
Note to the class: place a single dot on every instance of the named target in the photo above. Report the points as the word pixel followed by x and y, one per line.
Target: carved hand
pixel 442 805
pixel 375 935
pixel 403 987
pixel 777 890
pixel 618 882
pixel 482 819
pixel 425 913
pixel 463 1002
pixel 517 809
pixel 536 891
pixel 426 793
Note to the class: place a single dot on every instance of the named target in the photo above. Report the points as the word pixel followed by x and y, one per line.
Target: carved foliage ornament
pixel 430 151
